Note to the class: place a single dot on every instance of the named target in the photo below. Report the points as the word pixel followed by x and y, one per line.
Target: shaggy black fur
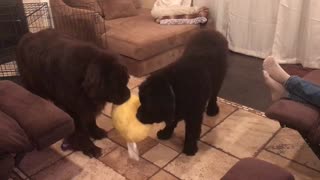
pixel 77 76
pixel 183 89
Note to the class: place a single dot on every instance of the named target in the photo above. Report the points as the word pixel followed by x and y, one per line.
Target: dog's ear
pixel 163 94
pixel 118 72
pixel 169 101
pixel 92 80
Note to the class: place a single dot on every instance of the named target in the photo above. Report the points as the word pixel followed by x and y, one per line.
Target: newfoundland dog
pixel 77 76
pixel 185 89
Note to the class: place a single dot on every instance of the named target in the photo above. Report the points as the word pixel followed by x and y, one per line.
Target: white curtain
pixel 287 29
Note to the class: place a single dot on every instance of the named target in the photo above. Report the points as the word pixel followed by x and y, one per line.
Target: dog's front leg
pixel 95 131
pixel 80 141
pixel 192 134
pixel 88 120
pixel 167 132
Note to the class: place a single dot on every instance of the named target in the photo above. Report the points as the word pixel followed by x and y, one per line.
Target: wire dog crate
pixel 18 19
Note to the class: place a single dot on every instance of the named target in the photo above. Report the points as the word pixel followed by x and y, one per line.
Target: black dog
pixel 77 76
pixel 183 89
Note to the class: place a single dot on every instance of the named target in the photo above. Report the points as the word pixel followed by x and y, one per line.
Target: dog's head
pixel 157 101
pixel 106 80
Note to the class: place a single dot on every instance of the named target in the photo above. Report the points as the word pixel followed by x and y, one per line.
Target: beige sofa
pixel 144 45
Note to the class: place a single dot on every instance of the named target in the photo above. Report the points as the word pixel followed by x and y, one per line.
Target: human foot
pixel 274 70
pixel 277 90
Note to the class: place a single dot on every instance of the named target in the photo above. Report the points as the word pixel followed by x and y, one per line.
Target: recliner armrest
pixel 301 117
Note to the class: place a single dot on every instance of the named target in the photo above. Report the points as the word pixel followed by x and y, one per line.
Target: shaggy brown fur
pixel 77 76
pixel 182 90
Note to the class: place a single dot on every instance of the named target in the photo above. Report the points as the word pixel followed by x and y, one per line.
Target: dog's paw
pixel 213 111
pixel 92 151
pixel 164 135
pixel 98 133
pixel 66 146
pixel 190 151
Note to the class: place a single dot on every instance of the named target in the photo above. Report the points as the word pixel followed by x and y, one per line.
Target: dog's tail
pixel 207 43
pixel 209 47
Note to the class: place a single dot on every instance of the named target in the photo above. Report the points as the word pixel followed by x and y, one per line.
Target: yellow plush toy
pixel 131 129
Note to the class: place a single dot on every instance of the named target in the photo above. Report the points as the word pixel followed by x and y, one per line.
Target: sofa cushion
pixel 141 68
pixel 85 4
pixel 118 9
pixel 42 121
pixel 250 168
pixel 139 37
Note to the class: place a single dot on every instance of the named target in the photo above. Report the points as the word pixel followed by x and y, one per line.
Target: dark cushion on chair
pixel 42 121
pixel 13 139
pixel 294 115
pixel 250 168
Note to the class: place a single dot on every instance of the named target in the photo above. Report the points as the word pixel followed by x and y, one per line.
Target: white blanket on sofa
pixel 163 8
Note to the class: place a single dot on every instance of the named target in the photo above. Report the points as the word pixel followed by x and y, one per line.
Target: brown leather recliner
pixel 251 168
pixel 27 122
pixel 302 117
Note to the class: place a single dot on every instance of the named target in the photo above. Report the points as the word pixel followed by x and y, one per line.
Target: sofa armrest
pixel 82 24
pixel 295 115
pixel 65 10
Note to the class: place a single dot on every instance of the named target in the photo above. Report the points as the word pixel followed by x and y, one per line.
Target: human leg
pixel 277 90
pixel 303 91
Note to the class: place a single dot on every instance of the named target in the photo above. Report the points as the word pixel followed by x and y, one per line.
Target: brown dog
pixel 186 88
pixel 77 76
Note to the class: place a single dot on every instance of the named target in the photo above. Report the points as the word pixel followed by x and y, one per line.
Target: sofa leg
pixel 18 158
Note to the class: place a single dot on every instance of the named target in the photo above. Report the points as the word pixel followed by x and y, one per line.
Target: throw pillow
pixel 113 9
pixel 85 4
